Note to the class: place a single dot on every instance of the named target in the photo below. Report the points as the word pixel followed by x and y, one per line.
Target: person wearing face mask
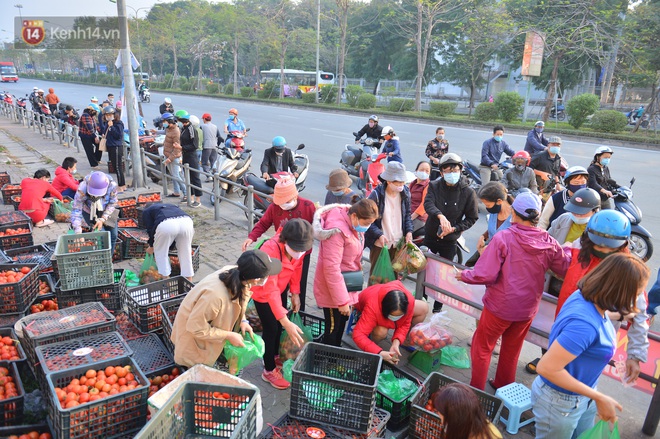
pixel 383 307
pixel 213 311
pixel 339 188
pixel 371 129
pixel 391 145
pixel 494 197
pixel 491 153
pixel 394 222
pixel 172 152
pixel 574 180
pixel 599 176
pixel 95 203
pixel 340 230
pixel 435 149
pixel 547 166
pixel 88 131
pixel 289 245
pixel 64 180
pixel 189 142
pixel 233 123
pixel 277 159
pixel 536 141
pixel 451 205
pixel 520 176
pixel 418 189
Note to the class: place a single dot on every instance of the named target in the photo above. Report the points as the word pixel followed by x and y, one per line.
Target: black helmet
pixel 583 201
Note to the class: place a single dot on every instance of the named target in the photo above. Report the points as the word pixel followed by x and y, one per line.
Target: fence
pixel 47 125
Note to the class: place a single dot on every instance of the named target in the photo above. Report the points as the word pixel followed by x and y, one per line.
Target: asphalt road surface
pixel 325 133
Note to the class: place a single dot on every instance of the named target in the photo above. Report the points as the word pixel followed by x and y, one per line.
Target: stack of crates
pixel 17 296
pixel 16 228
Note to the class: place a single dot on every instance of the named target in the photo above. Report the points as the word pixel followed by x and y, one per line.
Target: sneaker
pixel 437 307
pixel 275 379
pixel 498 345
pixel 196 204
pixel 184 200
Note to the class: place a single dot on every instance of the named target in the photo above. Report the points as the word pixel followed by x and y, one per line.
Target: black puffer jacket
pixel 457 203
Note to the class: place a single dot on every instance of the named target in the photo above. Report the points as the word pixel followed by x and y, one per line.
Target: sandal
pixel 174 195
pixel 531 366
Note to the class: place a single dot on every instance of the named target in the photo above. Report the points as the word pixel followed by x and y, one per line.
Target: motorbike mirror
pixel 632 182
pixel 301 146
pixel 355 134
pixel 248 151
pixel 247 129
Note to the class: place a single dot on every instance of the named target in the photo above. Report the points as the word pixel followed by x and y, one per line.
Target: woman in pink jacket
pixel 340 228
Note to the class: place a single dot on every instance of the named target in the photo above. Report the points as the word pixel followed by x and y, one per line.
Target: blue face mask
pixel 577 220
pixel 395 318
pixel 452 177
pixel 338 193
pixel 360 228
pixel 554 149
pixel 498 138
pixel 604 162
pixel 165 124
pixel 538 130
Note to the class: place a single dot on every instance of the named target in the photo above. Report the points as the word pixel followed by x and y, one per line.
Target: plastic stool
pixel 352 320
pixel 517 399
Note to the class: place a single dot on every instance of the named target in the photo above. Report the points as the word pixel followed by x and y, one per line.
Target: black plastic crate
pixel 176 266
pixel 425 424
pixel 118 251
pixel 48 280
pixel 9 332
pixel 315 324
pixel 82 351
pixel 24 239
pixel 143 301
pixel 84 260
pixel 127 207
pixel 168 311
pixel 348 374
pixel 8 190
pixel 14 219
pixel 110 417
pixel 8 320
pixel 65 324
pixel 19 430
pixel 34 254
pixel 5 178
pixel 111 295
pixel 18 296
pixel 150 354
pixel 12 408
pixel 199 410
pixel 398 409
pixel 134 242
pixel 142 202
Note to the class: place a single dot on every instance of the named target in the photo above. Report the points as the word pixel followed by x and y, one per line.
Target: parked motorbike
pixel 558 113
pixel 7 98
pixel 232 164
pixel 22 102
pixel 145 95
pixel 640 239
pixel 355 160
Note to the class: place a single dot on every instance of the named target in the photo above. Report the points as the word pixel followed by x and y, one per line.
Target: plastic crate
pixel 14 218
pixel 168 312
pixel 316 324
pixel 351 374
pixel 140 219
pixel 5 178
pixel 9 320
pixel 15 201
pixel 118 251
pixel 128 223
pixel 56 272
pixel 126 328
pixel 176 267
pixel 46 277
pixel 8 190
pixel 34 254
pixel 134 242
pixel 193 411
pixel 150 354
pixel 110 417
pixel 9 242
pixel 84 264
pixel 82 351
pixel 111 295
pixel 9 332
pixel 65 324
pixel 287 427
pixel 11 410
pixel 128 210
pixel 143 301
pixel 143 203
pixel 398 409
pixel 19 430
pixel 425 424
pixel 18 296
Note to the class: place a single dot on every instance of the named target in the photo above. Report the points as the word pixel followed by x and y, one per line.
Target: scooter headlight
pixel 369 141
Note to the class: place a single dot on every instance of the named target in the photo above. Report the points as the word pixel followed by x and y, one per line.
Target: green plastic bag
pixel 287 370
pixel 149 271
pixel 288 349
pixel 321 395
pixel 602 431
pixel 455 356
pixel 61 211
pixel 132 279
pixel 382 271
pixel 396 389
pixel 239 357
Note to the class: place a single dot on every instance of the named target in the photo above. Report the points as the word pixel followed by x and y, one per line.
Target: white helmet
pixel 194 120
pixel 35 88
pixel 387 131
pixel 168 100
pixel 603 149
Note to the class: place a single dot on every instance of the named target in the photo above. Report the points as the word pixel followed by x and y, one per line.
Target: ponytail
pixel 232 280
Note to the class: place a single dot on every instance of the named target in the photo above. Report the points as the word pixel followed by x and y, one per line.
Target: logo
pixel 33 32
pixel 578 199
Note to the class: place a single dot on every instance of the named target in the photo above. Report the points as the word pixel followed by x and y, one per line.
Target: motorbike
pixel 355 159
pixel 22 102
pixel 235 140
pixel 7 98
pixel 370 176
pixel 633 118
pixel 640 239
pixel 232 164
pixel 145 95
pixel 558 113
pixel 261 202
pixel 471 172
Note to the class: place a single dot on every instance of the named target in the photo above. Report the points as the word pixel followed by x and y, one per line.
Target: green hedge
pixel 229 89
pixel 401 105
pixel 212 88
pixel 269 91
pixel 329 94
pixel 352 94
pixel 486 111
pixel 246 92
pixel 609 121
pixel 509 105
pixel 366 101
pixel 309 98
pixel 580 107
pixel 442 108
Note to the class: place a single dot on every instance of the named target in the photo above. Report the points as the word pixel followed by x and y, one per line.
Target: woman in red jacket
pixel 384 307
pixel 289 246
pixel 32 197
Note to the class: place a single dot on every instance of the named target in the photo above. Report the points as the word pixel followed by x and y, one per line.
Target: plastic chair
pixel 517 399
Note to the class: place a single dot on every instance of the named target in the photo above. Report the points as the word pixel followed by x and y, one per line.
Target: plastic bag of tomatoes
pixel 431 336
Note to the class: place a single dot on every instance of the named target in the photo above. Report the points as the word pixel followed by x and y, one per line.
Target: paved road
pixel 325 134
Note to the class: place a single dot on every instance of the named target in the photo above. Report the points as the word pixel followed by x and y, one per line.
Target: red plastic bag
pixel 431 336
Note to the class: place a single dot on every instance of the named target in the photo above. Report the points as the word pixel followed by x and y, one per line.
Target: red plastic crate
pixel 16 297
pixel 24 239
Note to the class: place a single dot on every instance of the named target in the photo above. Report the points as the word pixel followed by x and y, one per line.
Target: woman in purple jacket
pixel 512 267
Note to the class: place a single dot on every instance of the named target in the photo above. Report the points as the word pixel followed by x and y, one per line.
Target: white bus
pixel 297 82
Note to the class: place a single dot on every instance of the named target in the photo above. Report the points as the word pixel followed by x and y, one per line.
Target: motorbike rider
pixel 520 176
pixel 371 129
pixel 278 158
pixel 574 180
pixel 548 162
pixel 491 153
pixel 536 141
pixel 189 142
pixel 166 106
pixel 391 145
pixel 32 95
pixel 233 123
pixel 599 176
pixel 141 88
pixel 435 149
pixel 38 101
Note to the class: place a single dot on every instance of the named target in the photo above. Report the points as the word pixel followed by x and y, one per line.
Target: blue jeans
pixel 560 415
pixel 654 297
pixel 175 171
pixel 69 193
pixel 112 230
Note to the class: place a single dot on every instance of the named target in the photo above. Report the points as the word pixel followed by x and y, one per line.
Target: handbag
pixel 102 145
pixel 354 280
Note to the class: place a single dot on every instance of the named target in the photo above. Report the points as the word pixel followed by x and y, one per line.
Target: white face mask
pixel 422 175
pixel 395 318
pixel 262 283
pixel 294 254
pixel 290 205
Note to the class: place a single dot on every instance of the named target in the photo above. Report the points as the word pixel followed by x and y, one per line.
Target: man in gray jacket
pixel 520 176
pixel 212 139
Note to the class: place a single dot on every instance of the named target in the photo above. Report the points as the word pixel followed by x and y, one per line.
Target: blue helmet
pixel 95 107
pixel 166 116
pixel 609 228
pixel 279 142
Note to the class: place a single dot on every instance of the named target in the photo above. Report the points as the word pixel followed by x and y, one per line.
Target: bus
pixel 8 71
pixel 297 82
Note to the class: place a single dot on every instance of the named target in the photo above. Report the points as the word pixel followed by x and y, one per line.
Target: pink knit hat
pixel 285 191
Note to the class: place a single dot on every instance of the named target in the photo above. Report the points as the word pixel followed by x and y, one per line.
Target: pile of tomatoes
pixel 44 305
pixel 148 198
pixel 430 407
pixel 127 223
pixel 159 381
pixel 9 349
pixel 95 385
pixel 15 232
pixel 77 247
pixel 429 339
pixel 8 387
pixel 13 276
pixel 127 202
pixel 44 288
pixel 31 435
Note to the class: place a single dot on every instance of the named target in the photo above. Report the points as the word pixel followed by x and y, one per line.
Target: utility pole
pixel 318 46
pixel 129 95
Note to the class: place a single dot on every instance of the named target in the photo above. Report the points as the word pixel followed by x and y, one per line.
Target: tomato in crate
pixel 10 348
pixel 12 236
pixel 19 286
pixel 11 404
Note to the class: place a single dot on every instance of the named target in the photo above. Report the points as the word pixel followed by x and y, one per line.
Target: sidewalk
pixel 23 151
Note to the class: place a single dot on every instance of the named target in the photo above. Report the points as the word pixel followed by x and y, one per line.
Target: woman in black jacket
pixel 599 176
pixel 113 128
pixel 189 143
